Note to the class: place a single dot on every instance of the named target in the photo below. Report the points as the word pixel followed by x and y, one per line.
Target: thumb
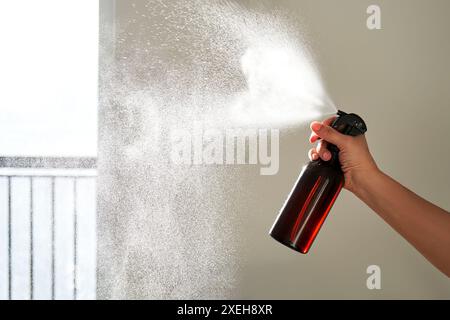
pixel 328 134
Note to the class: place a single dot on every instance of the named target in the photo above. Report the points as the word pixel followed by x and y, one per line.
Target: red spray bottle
pixel 314 193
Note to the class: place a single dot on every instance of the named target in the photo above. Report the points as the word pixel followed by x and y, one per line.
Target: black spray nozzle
pixel 349 124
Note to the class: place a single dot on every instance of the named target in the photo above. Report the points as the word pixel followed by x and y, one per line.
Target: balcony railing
pixel 47 228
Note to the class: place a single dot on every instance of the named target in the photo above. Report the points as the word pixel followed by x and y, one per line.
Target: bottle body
pixel 308 205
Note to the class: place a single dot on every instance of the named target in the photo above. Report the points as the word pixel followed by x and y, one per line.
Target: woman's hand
pixel 423 224
pixel 356 161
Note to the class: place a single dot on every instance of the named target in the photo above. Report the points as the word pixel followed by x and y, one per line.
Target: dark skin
pixel 421 223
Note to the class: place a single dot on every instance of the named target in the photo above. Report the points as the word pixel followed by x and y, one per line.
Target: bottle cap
pixel 349 123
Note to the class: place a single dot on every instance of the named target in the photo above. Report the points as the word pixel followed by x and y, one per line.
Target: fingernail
pixel 316 126
pixel 315 156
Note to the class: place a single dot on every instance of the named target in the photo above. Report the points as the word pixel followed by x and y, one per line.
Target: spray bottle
pixel 314 193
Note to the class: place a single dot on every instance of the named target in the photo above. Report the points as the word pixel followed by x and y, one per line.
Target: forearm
pixel 424 225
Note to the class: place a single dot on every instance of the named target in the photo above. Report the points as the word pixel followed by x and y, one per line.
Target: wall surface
pixel 202 232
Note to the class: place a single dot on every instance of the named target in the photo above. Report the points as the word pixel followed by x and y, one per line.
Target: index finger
pixel 314 137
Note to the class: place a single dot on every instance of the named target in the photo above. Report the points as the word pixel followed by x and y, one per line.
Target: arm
pixel 424 225
pixel 421 223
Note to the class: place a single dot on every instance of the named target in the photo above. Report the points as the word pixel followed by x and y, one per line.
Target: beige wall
pixel 397 79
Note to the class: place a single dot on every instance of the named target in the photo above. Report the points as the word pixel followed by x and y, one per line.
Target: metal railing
pixel 47 228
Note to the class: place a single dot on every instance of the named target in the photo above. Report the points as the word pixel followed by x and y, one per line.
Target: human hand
pixel 356 161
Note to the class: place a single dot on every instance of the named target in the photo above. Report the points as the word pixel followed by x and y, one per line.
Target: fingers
pixel 320 131
pixel 323 151
pixel 314 137
pixel 325 132
pixel 320 152
pixel 312 154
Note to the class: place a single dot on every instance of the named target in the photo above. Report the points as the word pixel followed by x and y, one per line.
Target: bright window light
pixel 48 78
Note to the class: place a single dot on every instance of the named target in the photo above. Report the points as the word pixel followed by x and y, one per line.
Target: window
pixel 48 145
